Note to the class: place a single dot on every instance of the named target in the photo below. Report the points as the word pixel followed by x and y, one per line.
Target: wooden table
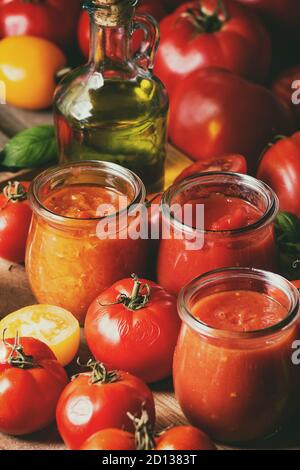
pixel 15 293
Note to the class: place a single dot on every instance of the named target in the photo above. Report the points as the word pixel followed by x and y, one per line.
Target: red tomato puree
pixel 254 246
pixel 239 311
pixel 237 389
pixel 227 213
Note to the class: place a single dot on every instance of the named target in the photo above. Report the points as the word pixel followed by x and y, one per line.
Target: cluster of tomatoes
pixel 133 327
pixel 278 166
pixel 38 39
pixel 35 36
pixel 229 78
pixel 238 40
pixel 230 89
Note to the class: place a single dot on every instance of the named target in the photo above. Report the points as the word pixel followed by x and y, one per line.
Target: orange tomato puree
pixel 83 202
pixel 67 264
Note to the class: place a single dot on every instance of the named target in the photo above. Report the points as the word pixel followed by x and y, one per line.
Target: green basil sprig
pixel 31 148
pixel 287 228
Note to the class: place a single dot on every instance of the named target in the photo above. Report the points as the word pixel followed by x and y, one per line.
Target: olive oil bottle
pixel 113 108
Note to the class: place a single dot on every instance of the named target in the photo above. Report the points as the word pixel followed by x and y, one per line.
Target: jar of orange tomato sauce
pixel 237 228
pixel 235 368
pixel 70 258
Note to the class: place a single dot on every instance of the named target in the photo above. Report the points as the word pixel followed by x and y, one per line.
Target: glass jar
pixel 70 260
pixel 113 108
pixel 182 257
pixel 237 385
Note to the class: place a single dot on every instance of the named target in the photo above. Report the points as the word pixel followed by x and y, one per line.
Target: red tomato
pixel 214 113
pixel 110 439
pixel 233 163
pixel 177 438
pixel 134 326
pixel 151 7
pixel 31 381
pixel 38 350
pixel 55 20
pixel 283 13
pixel 198 35
pixel 99 400
pixel 15 218
pixel 285 87
pixel 83 34
pixel 280 169
pixel 184 438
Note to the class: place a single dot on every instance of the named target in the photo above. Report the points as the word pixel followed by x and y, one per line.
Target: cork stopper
pixel 111 12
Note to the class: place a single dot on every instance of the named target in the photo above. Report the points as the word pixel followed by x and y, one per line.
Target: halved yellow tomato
pixel 55 326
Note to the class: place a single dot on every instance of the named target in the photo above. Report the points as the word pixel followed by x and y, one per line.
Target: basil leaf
pixel 287 228
pixel 31 148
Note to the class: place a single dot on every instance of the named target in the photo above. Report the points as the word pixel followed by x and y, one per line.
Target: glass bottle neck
pixel 109 44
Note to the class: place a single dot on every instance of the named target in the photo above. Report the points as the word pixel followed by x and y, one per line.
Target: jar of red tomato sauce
pixel 70 258
pixel 237 228
pixel 235 368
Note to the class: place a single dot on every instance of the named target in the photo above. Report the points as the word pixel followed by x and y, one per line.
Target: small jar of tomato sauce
pixel 235 370
pixel 69 260
pixel 237 228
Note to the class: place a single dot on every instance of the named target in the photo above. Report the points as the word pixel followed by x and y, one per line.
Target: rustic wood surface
pixel 15 293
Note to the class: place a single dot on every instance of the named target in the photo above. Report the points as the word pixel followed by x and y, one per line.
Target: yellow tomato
pixel 27 69
pixel 53 325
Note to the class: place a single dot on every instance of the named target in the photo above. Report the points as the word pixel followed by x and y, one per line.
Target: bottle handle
pixel 145 55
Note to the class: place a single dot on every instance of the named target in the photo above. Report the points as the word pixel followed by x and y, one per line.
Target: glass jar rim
pixel 220 176
pixel 114 169
pixel 224 274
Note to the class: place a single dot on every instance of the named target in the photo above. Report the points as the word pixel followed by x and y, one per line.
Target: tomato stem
pixel 99 373
pixel 207 22
pixel 144 436
pixel 15 192
pixel 17 357
pixel 137 300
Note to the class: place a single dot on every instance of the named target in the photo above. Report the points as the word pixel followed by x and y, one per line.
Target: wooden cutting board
pixel 15 293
